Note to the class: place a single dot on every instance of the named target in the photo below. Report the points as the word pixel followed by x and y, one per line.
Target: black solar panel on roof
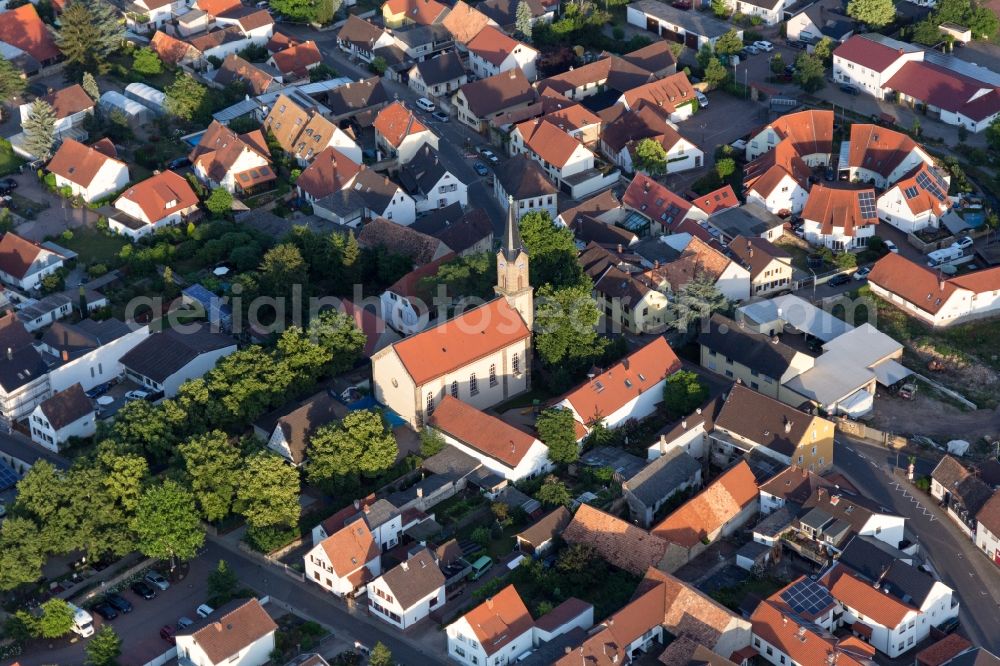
pixel 924 181
pixel 807 596
pixel 8 477
pixel 866 200
pixel 910 192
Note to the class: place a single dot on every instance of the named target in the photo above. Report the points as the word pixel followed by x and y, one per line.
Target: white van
pixel 426 105
pixel 83 623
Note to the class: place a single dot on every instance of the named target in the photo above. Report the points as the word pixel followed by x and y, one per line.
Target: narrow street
pixel 950 552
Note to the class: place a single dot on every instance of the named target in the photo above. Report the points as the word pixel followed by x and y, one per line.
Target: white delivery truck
pixel 83 623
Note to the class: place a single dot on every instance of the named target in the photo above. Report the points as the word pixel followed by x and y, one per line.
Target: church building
pixel 481 356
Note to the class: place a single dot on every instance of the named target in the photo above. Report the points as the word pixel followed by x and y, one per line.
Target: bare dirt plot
pixel 941 421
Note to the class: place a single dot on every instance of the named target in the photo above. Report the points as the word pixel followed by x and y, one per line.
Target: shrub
pixel 269 539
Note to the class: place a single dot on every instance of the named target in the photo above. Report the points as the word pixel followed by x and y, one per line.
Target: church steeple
pixel 512 269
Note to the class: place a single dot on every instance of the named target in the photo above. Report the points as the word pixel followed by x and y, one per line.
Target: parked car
pixel 702 98
pixel 156 579
pixel 441 116
pixel 764 45
pixel 849 89
pixel 789 69
pixel 99 390
pixel 426 105
pixel 7 184
pixel 796 44
pixel 480 169
pixel 167 633
pixel 179 163
pixel 681 4
pixel 183 622
pixel 118 602
pixel 138 394
pixel 750 50
pixel 489 155
pixel 862 273
pixel 838 280
pixel 889 245
pixel 964 242
pixel 144 590
pixel 204 610
pixel 105 610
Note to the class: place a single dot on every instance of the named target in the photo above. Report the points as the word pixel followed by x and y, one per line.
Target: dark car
pixel 105 610
pixel 144 590
pixel 849 89
pixel 681 4
pixel 179 163
pixel 7 184
pixel 98 390
pixel 167 633
pixel 838 280
pixel 480 169
pixel 830 174
pixel 118 602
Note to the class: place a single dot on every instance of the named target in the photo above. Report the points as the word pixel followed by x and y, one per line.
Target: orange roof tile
pixel 547 141
pixel 216 7
pixel 809 132
pixel 465 22
pixel 878 149
pixel 655 201
pixel 350 547
pixel 161 195
pixel 774 622
pixel 395 122
pixel 235 627
pixel 614 388
pixel 920 198
pixel 911 281
pixel 667 93
pixel 942 651
pixel 17 255
pixel 499 620
pixel 421 12
pixel 619 542
pixel 698 258
pixel 710 509
pixel 297 59
pixel 329 172
pixel 722 198
pixel 23 28
pixel 78 163
pixel 765 173
pixel 170 49
pixel 863 597
pixel 493 45
pixel 690 612
pixel 487 434
pixel 69 100
pixel 840 207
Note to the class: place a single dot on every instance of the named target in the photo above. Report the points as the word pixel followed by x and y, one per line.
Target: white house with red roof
pixel 72 105
pixel 809 132
pixel 661 208
pixel 880 156
pixel 497 631
pixel 148 15
pixel 922 293
pixel 917 201
pixel 492 51
pixel 839 218
pixel 631 389
pixel 778 180
pixel 347 560
pixel 399 133
pixel 24 263
pixel 234 162
pixel 159 201
pixel 510 452
pixel 868 61
pixel 240 633
pixel 561 155
pixel 89 173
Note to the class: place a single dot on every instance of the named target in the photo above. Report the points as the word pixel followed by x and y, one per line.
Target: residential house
pixel 477 102
pixel 346 561
pixel 23 263
pixel 880 156
pixel 674 472
pixel 629 390
pixel 359 38
pixel 790 488
pixel 656 208
pixel 404 241
pixel 65 415
pixel 693 29
pixel 161 200
pixel 382 517
pixel 988 528
pixel 470 350
pixel 508 451
pixel 917 201
pixel 429 182
pixel 722 507
pixel 295 62
pixel 492 52
pixel 417 43
pixel 464 22
pixel 369 196
pixel 617 541
pixel 144 16
pixel 357 101
pixel 437 76
pixel 399 133
pixel 822 19
pixel 238 163
pixel 832 518
pixel 397 13
pixel 407 593
pixel 627 299
pixel 682 258
pixel 867 62
pixel 235 69
pixel 167 359
pixel 961 493
pixel 770 266
pixel 622 135
pixel 71 106
pixel 610 74
pixel 499 630
pixel 40 313
pixel 521 183
pixel 407 304
pixel 752 219
pixel 23 377
pixel 569 619
pixel 809 133
pixel 768 12
pixel 464 232
pixel 657 58
pixel 287 433
pixel 330 171
pixel 673 96
pixel 33 46
pixel 255 23
pixel 839 218
pixel 240 633
pixel 174 51
pixel 87 352
pixel 539 538
pixel 88 172
pixel 778 180
pixel 565 159
pixel 303 131
pixel 504 12
pixel 920 292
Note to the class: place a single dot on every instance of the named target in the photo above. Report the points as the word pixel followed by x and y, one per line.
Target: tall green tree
pixel 56 619
pixel 281 269
pixel 186 98
pixel 696 300
pixel 557 431
pixel 683 393
pixel 431 442
pixel 725 167
pixel 809 71
pixel 145 61
pixel 12 81
pixel 326 10
pixel 222 585
pixel 90 86
pixel 360 443
pixel 380 656
pixel 716 73
pixel 729 43
pixel 244 385
pixel 993 134
pixel 22 552
pixel 108 28
pixel 104 648
pixel 167 524
pixel 75 39
pixel 212 466
pixel 39 129
pixel 552 251
pixel 720 8
pixel 338 334
pixel 565 322
pixel 523 20
pixel 874 13
pixel 650 157
pixel 219 202
pixel 268 491
pixel 553 492
pixel 150 430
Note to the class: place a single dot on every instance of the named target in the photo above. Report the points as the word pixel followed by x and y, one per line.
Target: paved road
pixel 952 554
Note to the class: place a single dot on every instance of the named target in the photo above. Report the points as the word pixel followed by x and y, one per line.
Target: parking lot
pixel 139 630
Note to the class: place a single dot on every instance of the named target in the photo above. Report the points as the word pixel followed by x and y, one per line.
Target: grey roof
pixel 379 512
pixel 376 191
pixel 343 203
pixel 457 229
pixel 299 422
pixel 423 172
pixel 451 460
pixel 162 354
pixel 754 350
pixel 977 656
pixel 44 306
pixel 753 550
pixel 801 314
pixel 547 527
pixel 691 21
pixel 355 96
pixel 877 561
pixel 830 380
pixel 747 220
pixel 775 523
pixel 414 579
pixel 663 476
pixel 23 364
pixel 624 463
pixel 441 68
pixel 523 178
pixel 865 345
pixel 833 24
pixel 79 338
pixel 28 452
pixel 67 406
pixel 815 518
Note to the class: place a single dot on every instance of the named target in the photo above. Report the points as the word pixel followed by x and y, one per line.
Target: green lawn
pixel 9 162
pixel 93 246
pixel 732 597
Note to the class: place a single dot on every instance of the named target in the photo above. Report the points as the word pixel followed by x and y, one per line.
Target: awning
pixel 858 404
pixel 888 372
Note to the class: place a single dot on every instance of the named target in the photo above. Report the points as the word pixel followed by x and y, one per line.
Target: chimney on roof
pixel 656 263
pixel 788 426
pixel 568 649
pixel 489 602
pixel 357 504
pixel 405 566
pixel 941 284
pixel 620 248
pixel 420 492
pixel 774 339
pixel 663 443
pixel 65 355
pixel 698 411
pixel 368 508
pixel 217 625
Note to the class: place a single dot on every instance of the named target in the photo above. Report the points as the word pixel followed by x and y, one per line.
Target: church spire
pixel 512 245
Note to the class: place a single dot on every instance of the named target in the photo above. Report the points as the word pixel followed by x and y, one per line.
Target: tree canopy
pixel 11 81
pixel 39 129
pixel 729 43
pixel 683 393
pixel 166 522
pixel 146 61
pixel 651 157
pixel 556 430
pixel 874 13
pixel 104 648
pixel 268 491
pixel 359 444
pixel 553 492
pixel 809 71
pixel 551 251
pixel 565 322
pixel 186 98
pixel 212 466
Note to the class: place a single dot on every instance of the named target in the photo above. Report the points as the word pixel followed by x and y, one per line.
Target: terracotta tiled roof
pixel 944 88
pixel 395 122
pixel 912 282
pixel 949 472
pixel 217 7
pixel 724 197
pixel 547 141
pixel 794 484
pixel 280 41
pixel 77 163
pixel 249 18
pixel 942 651
pixel 69 100
pixel 632 126
pixel 920 190
pixel 640 371
pixel 331 171
pixel 989 515
pixel 774 622
pixel 593 207
pixel 523 178
pixel 215 38
pixel 499 620
pixel 402 240
pixel 667 93
pixel 484 433
pixel 809 132
pixel 619 542
pixel 878 149
pixel 414 579
pixel 465 22
pixel 23 28
pixel 648 197
pixel 235 68
pixel 654 58
pixel 161 195
pixel 862 597
pixel 698 258
pixel 220 147
pixel 767 422
pixel 979 282
pixel 17 254
pixel 457 342
pixel 840 207
pixel 710 509
pixel 296 60
pixel 350 548
pixel 868 53
pixel 421 12
pixel 494 46
pixel 231 629
pixel 765 173
pixel 170 49
pixel 619 74
pixel 690 612
pixel 757 253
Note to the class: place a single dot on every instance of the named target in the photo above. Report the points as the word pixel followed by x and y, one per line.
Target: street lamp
pixel 814 280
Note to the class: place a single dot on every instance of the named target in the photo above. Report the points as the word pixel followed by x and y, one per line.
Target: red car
pixel 167 633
